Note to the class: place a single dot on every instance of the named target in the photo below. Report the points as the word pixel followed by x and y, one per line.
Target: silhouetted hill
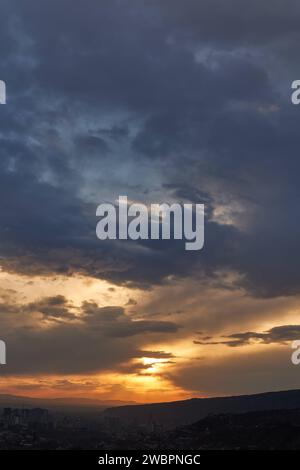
pixel 257 430
pixel 57 403
pixel 189 411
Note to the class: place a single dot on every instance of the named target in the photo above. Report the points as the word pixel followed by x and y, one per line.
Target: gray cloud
pixel 279 335
pixel 51 307
pixel 111 109
pixel 234 23
pixel 240 374
pixel 81 339
pixel 113 322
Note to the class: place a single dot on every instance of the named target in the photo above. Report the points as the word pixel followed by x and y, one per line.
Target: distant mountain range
pixel 189 411
pixel 58 403
pixel 171 414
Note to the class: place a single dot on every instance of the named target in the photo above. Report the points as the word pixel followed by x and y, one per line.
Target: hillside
pixel 189 411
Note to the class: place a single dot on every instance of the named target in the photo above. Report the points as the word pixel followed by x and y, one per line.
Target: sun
pixel 153 364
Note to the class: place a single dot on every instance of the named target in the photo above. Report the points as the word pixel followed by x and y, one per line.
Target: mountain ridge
pixel 7 400
pixel 176 413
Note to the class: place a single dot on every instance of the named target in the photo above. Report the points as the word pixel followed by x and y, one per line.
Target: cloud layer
pixel 161 101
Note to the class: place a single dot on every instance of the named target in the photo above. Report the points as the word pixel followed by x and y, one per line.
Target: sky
pixel 162 101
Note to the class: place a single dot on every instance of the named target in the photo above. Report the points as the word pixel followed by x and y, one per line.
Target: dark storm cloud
pixel 279 334
pixel 92 145
pixel 114 323
pixel 264 157
pixel 236 22
pixel 187 89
